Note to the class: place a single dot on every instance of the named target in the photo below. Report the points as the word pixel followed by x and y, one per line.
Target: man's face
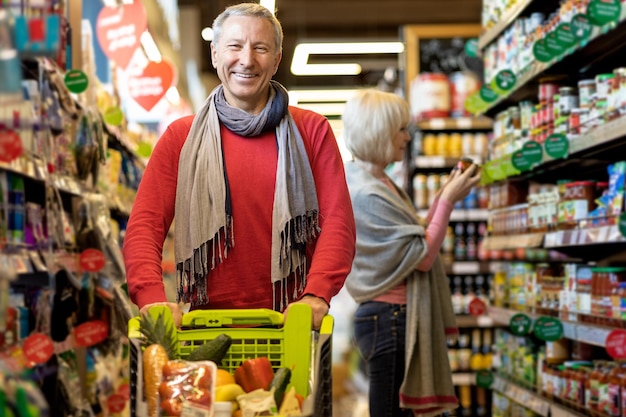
pixel 246 58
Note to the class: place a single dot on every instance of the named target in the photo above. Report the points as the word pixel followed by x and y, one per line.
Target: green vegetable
pixel 213 350
pixel 281 380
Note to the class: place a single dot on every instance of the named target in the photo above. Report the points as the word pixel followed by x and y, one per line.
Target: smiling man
pixel 256 187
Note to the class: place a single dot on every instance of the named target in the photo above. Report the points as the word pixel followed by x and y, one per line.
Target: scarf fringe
pixel 191 274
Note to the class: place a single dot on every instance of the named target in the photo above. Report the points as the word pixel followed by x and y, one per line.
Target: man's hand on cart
pixel 319 308
pixel 177 313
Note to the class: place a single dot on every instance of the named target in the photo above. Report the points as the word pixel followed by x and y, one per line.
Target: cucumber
pixel 281 380
pixel 213 350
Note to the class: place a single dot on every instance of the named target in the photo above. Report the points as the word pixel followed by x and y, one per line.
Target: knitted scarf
pixel 204 231
pixel 390 244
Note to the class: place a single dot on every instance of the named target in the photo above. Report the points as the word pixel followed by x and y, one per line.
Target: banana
pixel 228 392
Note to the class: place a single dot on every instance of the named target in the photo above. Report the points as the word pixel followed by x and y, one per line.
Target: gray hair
pixel 371 118
pixel 250 10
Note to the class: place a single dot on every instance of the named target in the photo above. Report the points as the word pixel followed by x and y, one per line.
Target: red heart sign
pixel 119 31
pixel 149 86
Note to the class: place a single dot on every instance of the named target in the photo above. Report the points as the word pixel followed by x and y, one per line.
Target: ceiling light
pixel 302 51
pixel 207 34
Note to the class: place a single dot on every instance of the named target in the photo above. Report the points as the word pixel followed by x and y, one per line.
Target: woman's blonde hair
pixel 371 119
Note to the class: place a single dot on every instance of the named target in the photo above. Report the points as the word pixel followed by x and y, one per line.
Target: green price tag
pixel 474 103
pixel 113 116
pixel 601 12
pixel 494 170
pixel 144 149
pixel 548 329
pixel 556 145
pixel 519 161
pixel 622 224
pixel 471 47
pixel 76 81
pixel 553 45
pixel 581 26
pixel 484 379
pixel 532 152
pixel 503 81
pixel 541 51
pixel 565 35
pixel 520 324
pixel 487 94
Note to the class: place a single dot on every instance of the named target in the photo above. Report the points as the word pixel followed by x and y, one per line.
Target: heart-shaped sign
pixel 119 31
pixel 151 84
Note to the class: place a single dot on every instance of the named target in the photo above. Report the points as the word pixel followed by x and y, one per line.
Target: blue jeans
pixel 379 330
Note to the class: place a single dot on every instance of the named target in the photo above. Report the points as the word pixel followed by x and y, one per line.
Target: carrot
pixel 154 358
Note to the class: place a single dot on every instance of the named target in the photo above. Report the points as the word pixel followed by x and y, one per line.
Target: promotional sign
pixel 91 333
pixel 484 379
pixel 477 307
pixel 601 12
pixel 76 81
pixel 91 260
pixel 10 145
pixel 616 344
pixel 530 155
pixel 119 30
pixel 38 348
pixel 149 86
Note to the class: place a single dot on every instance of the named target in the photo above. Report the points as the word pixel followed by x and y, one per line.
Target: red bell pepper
pixel 254 373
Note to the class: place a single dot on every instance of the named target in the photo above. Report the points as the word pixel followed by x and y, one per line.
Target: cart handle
pixel 232 317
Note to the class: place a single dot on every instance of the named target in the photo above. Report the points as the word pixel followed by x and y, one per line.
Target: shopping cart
pixel 286 342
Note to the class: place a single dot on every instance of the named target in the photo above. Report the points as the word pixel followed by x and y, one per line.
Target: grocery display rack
pixel 286 340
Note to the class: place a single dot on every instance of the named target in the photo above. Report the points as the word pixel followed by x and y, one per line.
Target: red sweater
pixel 243 279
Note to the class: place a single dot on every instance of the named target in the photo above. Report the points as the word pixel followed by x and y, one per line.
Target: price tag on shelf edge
pixel 555 48
pixel 581 26
pixel 503 81
pixel 548 329
pixel 527 157
pixel 541 51
pixel 484 379
pixel 565 35
pixel 520 324
pixel 488 94
pixel 601 12
pixel 556 146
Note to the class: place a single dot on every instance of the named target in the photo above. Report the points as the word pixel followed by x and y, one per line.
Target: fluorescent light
pixel 150 48
pixel 321 95
pixel 300 65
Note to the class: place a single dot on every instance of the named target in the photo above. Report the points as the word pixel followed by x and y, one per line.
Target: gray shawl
pixel 390 244
pixel 204 231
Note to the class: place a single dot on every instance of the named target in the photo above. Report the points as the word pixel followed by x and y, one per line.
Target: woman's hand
pixel 460 183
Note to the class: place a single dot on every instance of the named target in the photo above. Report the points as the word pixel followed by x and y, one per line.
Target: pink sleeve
pixel 432 209
pixel 435 232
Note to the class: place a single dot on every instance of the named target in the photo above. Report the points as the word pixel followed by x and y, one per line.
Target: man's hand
pixel 177 313
pixel 319 308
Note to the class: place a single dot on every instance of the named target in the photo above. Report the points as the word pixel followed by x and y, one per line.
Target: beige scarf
pixel 204 231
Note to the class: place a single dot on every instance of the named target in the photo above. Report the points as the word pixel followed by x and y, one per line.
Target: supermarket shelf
pixel 422 162
pixel 464 378
pixel 603 42
pixel 523 396
pixel 582 332
pixel 583 237
pixel 463 215
pixel 456 123
pixel 467 321
pixel 508 18
pixel 528 240
pixel 473 267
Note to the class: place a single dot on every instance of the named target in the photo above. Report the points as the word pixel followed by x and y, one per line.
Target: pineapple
pixel 160 331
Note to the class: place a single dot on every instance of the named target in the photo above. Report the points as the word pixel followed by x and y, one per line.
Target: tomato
pixel 203 377
pixel 200 396
pixel 172 407
pixel 169 389
pixel 176 367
